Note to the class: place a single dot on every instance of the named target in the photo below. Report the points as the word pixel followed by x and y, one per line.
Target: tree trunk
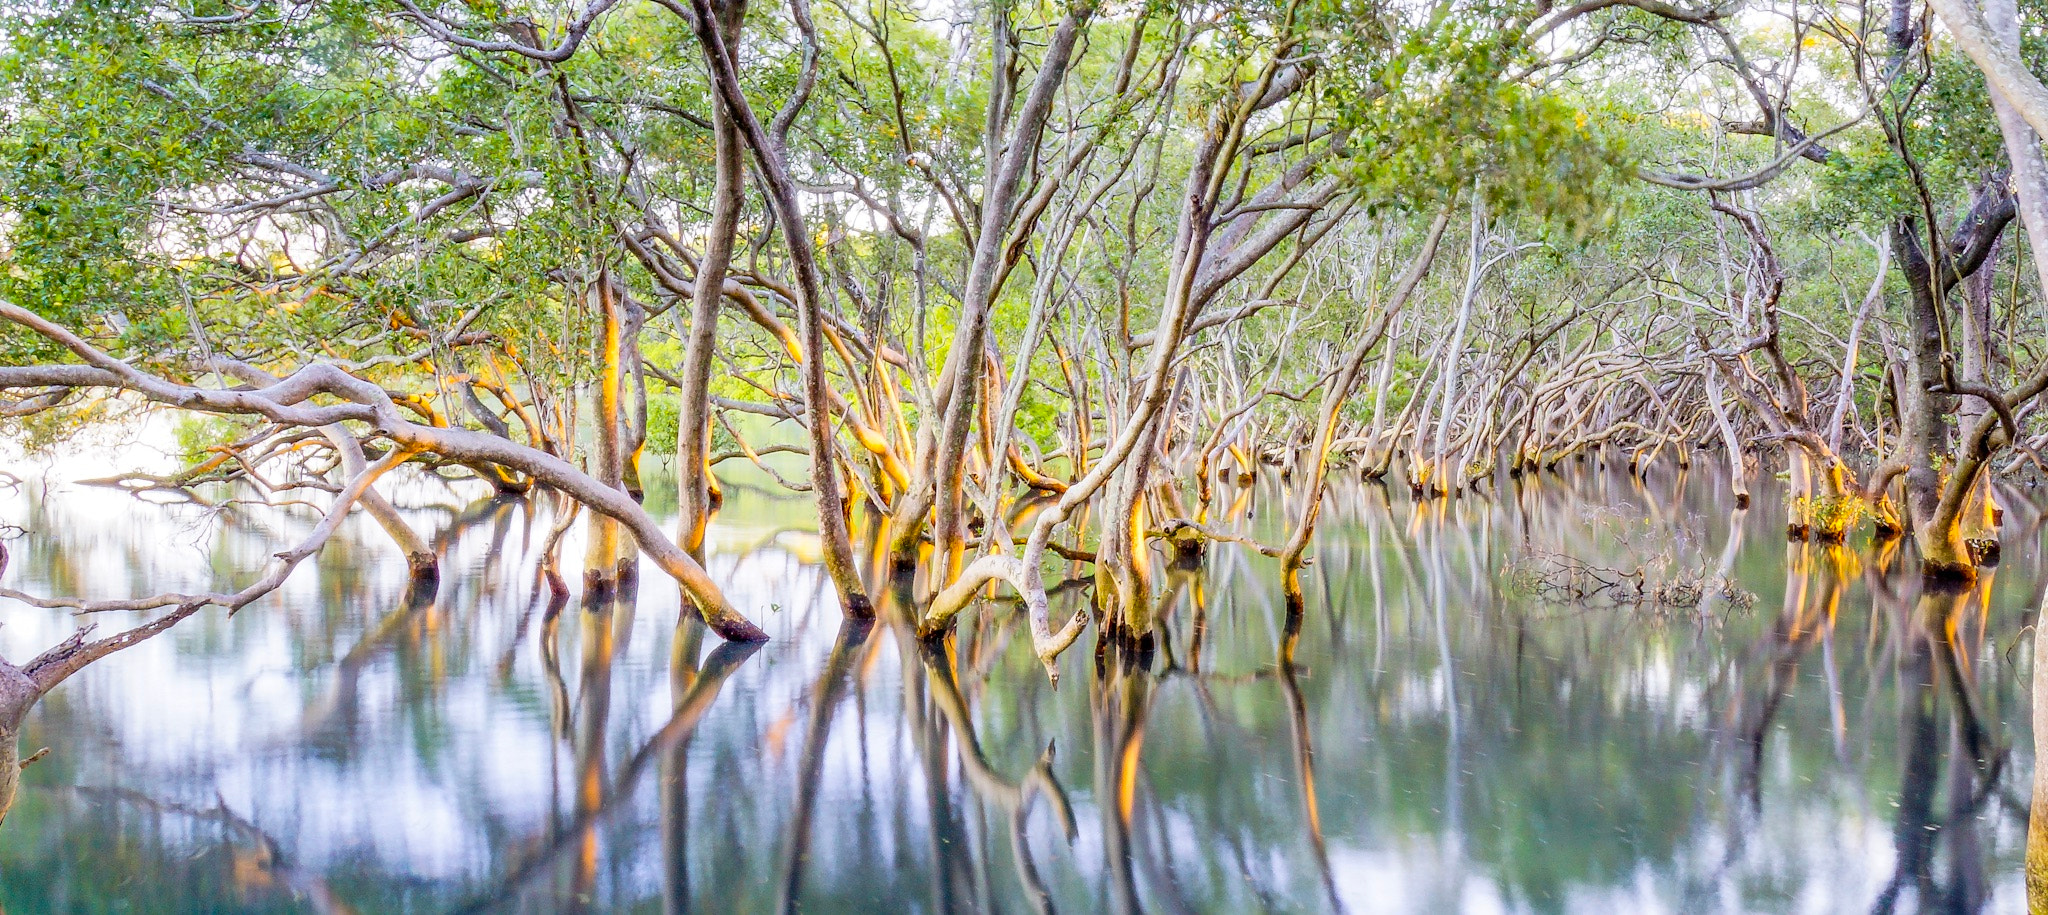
pixel 1452 475
pixel 961 380
pixel 1923 429
pixel 18 694
pixel 1738 461
pixel 694 502
pixel 773 161
pixel 604 559
pixel 1339 390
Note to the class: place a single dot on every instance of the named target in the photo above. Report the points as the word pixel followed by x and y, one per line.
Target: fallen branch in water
pixel 1557 577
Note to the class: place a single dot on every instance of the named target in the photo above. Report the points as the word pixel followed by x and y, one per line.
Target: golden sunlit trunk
pixel 604 551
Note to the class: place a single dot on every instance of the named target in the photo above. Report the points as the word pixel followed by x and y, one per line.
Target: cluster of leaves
pixel 1835 514
pixel 197 436
pixel 1450 111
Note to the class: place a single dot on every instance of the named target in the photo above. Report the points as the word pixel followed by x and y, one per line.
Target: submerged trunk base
pixel 601 584
pixel 424 568
pixel 1130 650
pixel 1941 576
pixel 1186 546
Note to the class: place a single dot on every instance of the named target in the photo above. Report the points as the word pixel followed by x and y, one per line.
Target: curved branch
pixel 286 403
pixel 1754 179
pixel 571 39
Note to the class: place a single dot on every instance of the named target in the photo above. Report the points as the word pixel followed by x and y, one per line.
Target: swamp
pixel 1367 456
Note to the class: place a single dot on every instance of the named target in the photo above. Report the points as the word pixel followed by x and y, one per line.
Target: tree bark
pixel 1999 58
pixel 961 379
pixel 773 161
pixel 693 413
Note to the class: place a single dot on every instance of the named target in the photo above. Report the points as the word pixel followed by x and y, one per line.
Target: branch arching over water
pixel 288 402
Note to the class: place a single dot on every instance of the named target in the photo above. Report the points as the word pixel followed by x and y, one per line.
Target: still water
pixel 1438 731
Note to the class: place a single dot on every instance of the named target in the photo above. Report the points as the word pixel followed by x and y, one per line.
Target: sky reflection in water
pixel 1442 740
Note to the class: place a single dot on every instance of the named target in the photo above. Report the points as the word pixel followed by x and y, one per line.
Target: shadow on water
pixel 1429 728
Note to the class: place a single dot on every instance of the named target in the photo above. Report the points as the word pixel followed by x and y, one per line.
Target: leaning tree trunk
pixel 773 160
pixel 22 686
pixel 287 403
pixel 961 380
pixel 1123 567
pixel 1339 390
pixel 420 558
pixel 693 414
pixel 1738 462
pixel 18 694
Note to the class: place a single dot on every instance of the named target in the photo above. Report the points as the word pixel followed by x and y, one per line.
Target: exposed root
pixel 1022 575
pixel 1182 530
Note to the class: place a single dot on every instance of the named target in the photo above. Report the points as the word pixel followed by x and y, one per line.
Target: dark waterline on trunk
pixel 1430 733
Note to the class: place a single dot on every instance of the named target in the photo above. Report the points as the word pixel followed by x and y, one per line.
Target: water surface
pixel 1437 731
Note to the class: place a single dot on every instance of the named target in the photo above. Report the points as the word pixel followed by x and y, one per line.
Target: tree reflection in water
pixel 1416 733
